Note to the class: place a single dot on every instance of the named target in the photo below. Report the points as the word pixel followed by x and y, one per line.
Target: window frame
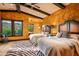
pixel 12 26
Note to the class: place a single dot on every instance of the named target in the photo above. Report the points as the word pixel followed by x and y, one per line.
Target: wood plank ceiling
pixel 39 10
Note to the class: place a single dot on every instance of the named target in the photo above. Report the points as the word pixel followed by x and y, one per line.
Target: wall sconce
pixel 39 27
pixel 29 19
pixel 53 26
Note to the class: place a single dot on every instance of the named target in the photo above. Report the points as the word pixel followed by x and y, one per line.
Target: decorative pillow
pixel 34 38
pixel 65 34
pixel 45 34
pixel 74 36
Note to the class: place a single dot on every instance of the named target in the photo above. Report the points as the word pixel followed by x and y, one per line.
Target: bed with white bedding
pixel 54 46
pixel 65 43
pixel 60 46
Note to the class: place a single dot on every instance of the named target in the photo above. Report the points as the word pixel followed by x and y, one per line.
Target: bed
pixel 65 43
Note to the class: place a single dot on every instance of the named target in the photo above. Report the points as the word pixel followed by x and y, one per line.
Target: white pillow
pixel 74 36
pixel 34 38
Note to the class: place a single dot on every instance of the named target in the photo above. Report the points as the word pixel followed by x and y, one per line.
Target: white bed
pixel 55 45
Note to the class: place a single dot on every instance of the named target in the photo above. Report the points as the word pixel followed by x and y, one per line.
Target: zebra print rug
pixel 24 48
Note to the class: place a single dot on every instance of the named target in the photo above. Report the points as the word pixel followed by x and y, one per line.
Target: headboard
pixel 70 26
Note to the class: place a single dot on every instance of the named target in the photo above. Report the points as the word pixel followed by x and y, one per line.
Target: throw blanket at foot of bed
pixel 59 46
pixel 24 48
pixel 20 48
pixel 24 53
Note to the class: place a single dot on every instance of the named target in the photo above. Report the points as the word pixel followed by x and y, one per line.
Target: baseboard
pixel 15 40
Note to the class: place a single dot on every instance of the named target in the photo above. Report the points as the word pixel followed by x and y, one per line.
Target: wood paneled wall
pixel 25 18
pixel 71 11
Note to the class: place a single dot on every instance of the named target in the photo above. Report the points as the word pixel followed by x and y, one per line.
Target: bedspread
pixel 19 48
pixel 59 46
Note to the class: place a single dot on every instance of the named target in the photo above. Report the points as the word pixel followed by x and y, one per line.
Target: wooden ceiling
pixel 39 10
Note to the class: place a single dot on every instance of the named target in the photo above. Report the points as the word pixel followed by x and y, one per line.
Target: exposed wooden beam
pixel 17 6
pixel 60 5
pixel 29 6
pixel 8 10
pixel 20 12
pixel 33 3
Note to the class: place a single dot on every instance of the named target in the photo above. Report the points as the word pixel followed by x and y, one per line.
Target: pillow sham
pixel 74 36
pixel 62 34
pixel 34 38
pixel 65 34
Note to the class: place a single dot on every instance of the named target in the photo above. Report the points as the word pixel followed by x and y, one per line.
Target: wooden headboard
pixel 70 26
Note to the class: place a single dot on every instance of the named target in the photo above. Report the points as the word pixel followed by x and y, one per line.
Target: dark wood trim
pixel 68 27
pixel 60 5
pixel 29 6
pixel 16 40
pixel 8 10
pixel 74 33
pixel 13 28
pixel 20 12
pixel 0 25
pixel 33 3
pixel 18 7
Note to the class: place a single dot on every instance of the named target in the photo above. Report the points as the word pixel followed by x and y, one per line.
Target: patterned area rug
pixel 23 48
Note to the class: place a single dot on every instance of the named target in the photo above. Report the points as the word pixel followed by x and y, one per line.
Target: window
pixel 11 27
pixel 6 27
pixel 18 28
pixel 30 28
